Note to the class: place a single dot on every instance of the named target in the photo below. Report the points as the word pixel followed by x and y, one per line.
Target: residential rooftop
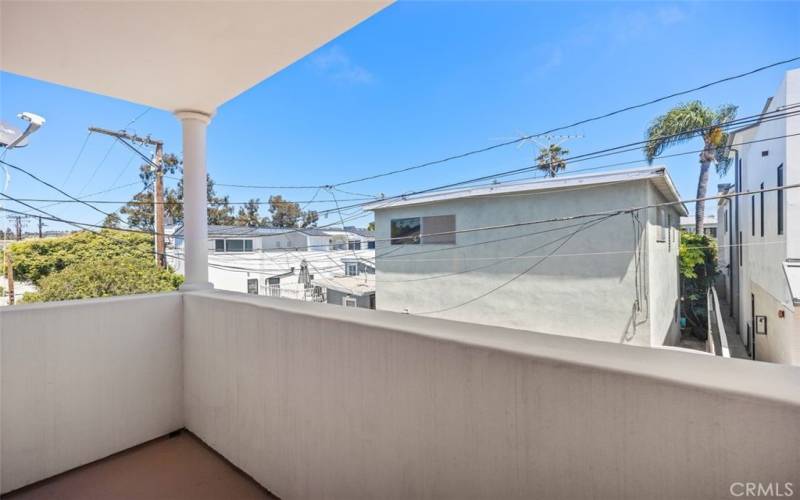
pixel 658 174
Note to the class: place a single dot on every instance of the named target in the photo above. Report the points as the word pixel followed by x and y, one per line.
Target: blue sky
pixel 422 80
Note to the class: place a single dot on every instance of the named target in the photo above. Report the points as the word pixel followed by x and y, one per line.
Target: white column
pixel 195 203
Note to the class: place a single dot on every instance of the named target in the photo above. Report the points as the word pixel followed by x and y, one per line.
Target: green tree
pixel 698 268
pixel 249 214
pixel 371 226
pixel 685 122
pixel 112 221
pixel 139 210
pixel 35 259
pixel 551 160
pixel 105 277
pixel 289 214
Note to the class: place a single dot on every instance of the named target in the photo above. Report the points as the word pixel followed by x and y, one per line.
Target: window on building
pixel 252 286
pixel 274 287
pixel 234 246
pixel 350 302
pixel 780 200
pixel 351 269
pixel 761 207
pixel 661 222
pixel 354 245
pixel 439 230
pixel 248 245
pixel 405 231
pixel 219 245
pixel 371 245
pixel 740 248
pixel 669 231
pixel 752 215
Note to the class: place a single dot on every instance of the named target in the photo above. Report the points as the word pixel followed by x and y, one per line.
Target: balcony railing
pixel 314 400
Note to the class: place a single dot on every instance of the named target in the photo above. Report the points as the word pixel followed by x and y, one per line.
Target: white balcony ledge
pixel 313 400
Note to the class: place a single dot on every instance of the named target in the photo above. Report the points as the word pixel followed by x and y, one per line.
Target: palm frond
pixel 675 126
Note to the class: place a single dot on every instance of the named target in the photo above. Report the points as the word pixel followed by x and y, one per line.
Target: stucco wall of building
pixel 762 276
pixel 662 268
pixel 589 291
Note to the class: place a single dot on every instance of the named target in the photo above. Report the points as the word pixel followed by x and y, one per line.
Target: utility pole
pixel 41 225
pixel 158 207
pixel 18 220
pixel 158 186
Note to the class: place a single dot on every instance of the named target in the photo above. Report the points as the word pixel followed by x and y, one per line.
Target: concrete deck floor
pixel 182 467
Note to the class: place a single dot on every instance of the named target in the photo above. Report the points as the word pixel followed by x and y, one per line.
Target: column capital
pixel 190 114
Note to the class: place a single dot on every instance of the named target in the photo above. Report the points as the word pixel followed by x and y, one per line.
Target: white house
pixel 709 225
pixel 305 264
pixel 606 277
pixel 766 229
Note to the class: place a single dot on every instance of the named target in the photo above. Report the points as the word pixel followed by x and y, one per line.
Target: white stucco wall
pixel 762 273
pixel 315 401
pixel 662 268
pixel 82 380
pixel 588 293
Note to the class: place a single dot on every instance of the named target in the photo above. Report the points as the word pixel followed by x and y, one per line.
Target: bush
pixel 698 267
pixel 35 259
pixel 85 265
pixel 105 278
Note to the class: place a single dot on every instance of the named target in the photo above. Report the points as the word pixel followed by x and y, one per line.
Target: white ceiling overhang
pixel 171 55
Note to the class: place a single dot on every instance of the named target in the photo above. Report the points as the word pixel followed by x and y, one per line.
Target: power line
pixel 38 179
pixel 510 280
pixel 495 261
pixel 758 118
pixel 563 127
pixel 77 158
pixel 178 202
pixel 94 172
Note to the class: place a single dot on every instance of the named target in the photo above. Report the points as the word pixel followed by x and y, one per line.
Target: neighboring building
pixel 766 230
pixel 303 264
pixel 614 279
pixel 355 287
pixel 709 223
pixel 727 251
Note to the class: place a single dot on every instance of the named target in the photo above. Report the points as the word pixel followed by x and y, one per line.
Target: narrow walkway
pixel 735 343
pixel 182 467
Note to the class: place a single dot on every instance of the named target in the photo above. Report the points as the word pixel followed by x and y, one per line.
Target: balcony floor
pixel 181 467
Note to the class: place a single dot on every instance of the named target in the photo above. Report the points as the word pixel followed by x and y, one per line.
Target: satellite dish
pixel 9 133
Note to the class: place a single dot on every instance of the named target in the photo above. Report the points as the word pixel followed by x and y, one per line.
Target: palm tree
pixel 551 161
pixel 681 124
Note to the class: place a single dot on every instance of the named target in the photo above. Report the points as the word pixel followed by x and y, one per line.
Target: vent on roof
pixel 765 153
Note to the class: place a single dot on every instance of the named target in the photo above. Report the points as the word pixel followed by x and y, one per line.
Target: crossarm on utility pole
pixel 158 186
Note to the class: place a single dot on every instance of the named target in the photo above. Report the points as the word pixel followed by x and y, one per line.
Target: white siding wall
pixel 662 271
pixel 762 272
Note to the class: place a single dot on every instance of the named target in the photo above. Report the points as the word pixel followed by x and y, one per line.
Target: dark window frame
pixel 752 215
pixel 780 199
pixel 761 208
